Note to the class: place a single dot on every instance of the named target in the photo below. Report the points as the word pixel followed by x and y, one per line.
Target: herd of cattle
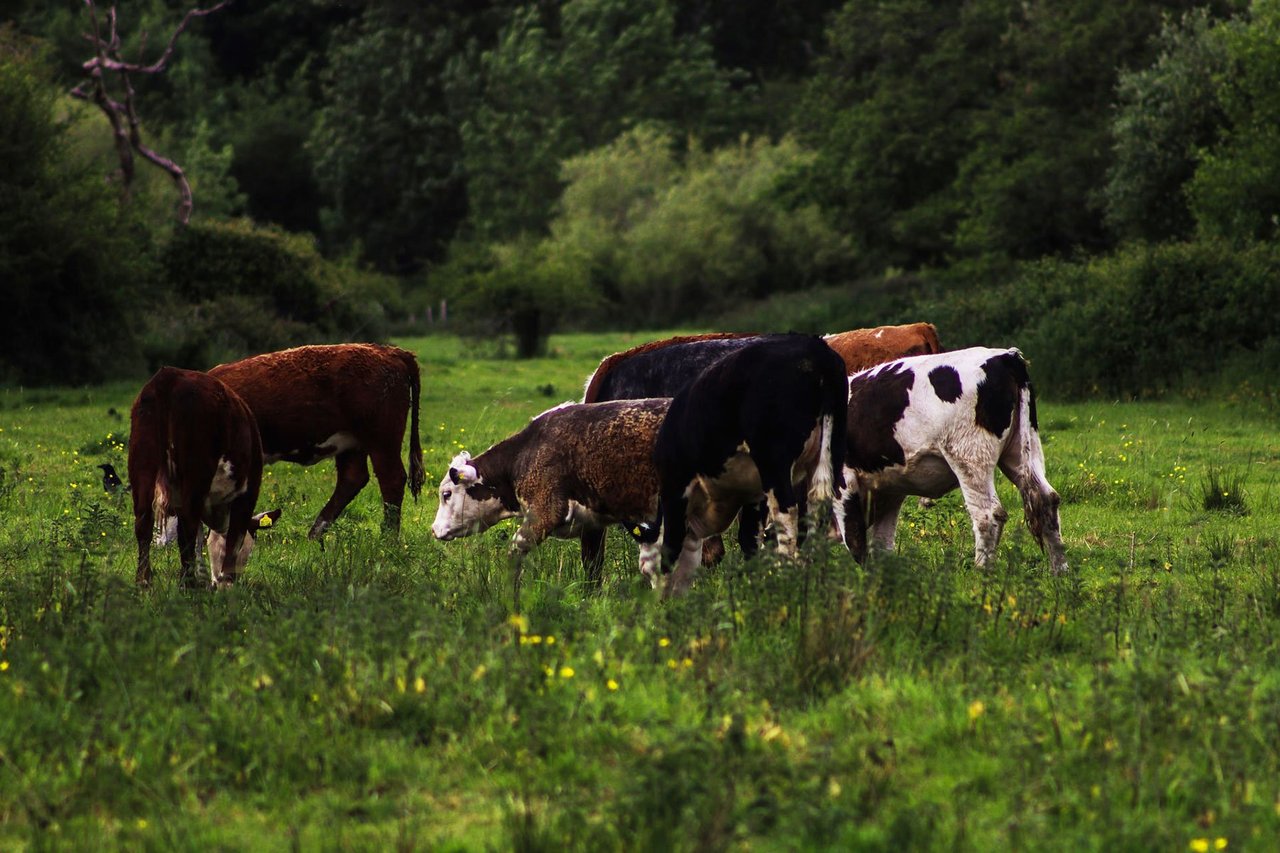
pixel 673 440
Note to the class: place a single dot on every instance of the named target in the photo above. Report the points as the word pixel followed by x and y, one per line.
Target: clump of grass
pixel 1222 490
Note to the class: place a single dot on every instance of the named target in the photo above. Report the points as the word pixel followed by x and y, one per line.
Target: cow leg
pixel 142 531
pixel 389 470
pixel 750 523
pixel 538 523
pixel 883 518
pixel 593 556
pixel 686 566
pixel 353 474
pixel 1040 507
pixel 237 527
pixel 780 495
pixel 786 521
pixel 851 521
pixel 674 511
pixel 188 549
pixel 977 484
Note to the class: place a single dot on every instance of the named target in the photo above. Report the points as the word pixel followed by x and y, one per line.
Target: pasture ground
pixel 380 693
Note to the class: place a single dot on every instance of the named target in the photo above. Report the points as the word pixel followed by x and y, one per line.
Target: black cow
pixel 765 423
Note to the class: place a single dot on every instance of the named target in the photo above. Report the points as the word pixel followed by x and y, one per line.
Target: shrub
pixel 240 287
pixel 1139 322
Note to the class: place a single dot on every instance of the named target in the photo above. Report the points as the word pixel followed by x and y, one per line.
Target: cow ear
pixel 453 476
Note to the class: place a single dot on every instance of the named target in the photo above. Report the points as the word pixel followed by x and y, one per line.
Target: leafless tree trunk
pixel 123 115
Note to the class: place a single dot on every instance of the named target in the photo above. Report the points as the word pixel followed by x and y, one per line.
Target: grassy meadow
pixel 379 693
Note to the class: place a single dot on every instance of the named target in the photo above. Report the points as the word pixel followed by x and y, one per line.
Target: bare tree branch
pixel 126 128
pixel 114 64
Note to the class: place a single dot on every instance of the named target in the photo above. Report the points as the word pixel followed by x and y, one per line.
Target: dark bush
pixel 73 261
pixel 1140 322
pixel 240 288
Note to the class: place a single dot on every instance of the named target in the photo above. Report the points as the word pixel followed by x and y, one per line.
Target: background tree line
pixel 1039 173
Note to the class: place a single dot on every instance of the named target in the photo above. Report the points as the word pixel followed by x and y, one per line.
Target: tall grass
pixel 379 692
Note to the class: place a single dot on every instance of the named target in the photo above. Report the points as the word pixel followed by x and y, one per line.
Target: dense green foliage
pixel 73 260
pixel 597 162
pixel 378 693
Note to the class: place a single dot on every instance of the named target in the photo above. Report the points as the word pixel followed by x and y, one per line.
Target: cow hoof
pixel 317 530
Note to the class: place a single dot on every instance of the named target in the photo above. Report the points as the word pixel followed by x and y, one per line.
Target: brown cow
pixel 572 471
pixel 863 348
pixel 194 453
pixel 348 401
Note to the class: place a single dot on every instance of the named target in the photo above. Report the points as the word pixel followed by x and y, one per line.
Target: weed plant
pixel 380 692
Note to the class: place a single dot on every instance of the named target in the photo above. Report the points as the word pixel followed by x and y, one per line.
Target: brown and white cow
pixel 925 425
pixel 194 454
pixel 573 470
pixel 763 424
pixel 663 368
pixel 348 401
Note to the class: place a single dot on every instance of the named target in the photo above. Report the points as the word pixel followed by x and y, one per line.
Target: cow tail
pixel 1033 505
pixel 828 480
pixel 417 473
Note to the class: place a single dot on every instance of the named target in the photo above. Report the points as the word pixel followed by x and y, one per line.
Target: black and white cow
pixel 764 423
pixel 924 425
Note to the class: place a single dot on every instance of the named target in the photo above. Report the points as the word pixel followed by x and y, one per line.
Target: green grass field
pixel 379 693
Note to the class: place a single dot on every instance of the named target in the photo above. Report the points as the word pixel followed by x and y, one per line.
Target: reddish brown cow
pixel 348 401
pixel 863 348
pixel 194 453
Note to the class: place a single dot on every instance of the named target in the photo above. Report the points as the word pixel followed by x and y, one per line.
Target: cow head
pixel 467 504
pixel 217 543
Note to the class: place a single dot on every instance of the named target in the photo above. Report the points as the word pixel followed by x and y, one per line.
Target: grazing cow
pixel 663 368
pixel 194 453
pixel 764 423
pixel 348 401
pixel 574 469
pixel 923 425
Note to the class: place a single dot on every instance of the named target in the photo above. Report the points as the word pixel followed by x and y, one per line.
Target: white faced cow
pixel 573 470
pixel 924 425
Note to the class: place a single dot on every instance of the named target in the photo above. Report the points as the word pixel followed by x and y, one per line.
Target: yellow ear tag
pixel 265 521
pixel 636 531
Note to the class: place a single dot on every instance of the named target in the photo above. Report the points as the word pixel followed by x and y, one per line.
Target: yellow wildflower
pixel 611 684
pixel 976 709
pixel 566 672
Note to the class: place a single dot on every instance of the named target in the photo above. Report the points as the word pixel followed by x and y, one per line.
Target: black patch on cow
pixel 876 404
pixel 1005 377
pixel 486 492
pixel 946 383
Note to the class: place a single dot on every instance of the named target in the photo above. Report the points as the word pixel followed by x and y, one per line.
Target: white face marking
pixel 224 488
pixel 460 514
